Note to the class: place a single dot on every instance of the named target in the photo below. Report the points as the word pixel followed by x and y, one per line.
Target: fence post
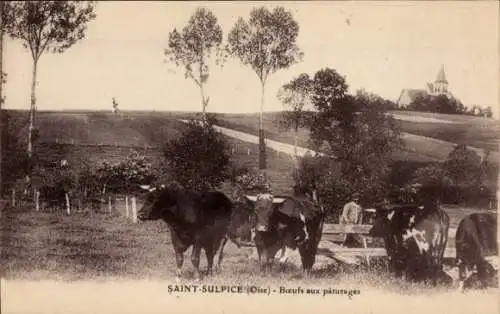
pixel 13 197
pixel 248 151
pixel 126 207
pixel 109 204
pixel 37 200
pixel 134 210
pixel 68 207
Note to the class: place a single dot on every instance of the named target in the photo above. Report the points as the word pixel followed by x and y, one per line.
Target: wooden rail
pixel 362 229
pixel 334 233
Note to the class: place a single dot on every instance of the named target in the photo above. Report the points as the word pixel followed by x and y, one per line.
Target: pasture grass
pixel 96 255
pixel 101 245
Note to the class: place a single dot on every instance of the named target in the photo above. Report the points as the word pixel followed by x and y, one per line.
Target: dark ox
pixel 476 243
pixel 241 229
pixel 286 221
pixel 195 219
pixel 415 240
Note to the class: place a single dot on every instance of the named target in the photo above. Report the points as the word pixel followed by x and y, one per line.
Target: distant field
pixel 150 130
pixel 97 137
pixel 100 128
pixel 424 141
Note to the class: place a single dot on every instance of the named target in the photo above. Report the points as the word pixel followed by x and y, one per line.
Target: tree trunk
pixel 262 143
pixel 204 103
pixel 1 89
pixel 202 93
pixel 295 153
pixel 32 118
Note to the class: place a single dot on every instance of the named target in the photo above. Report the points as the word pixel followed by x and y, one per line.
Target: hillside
pixel 95 136
pixel 427 137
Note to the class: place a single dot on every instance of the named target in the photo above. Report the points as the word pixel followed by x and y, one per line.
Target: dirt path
pixel 275 145
pixel 426 145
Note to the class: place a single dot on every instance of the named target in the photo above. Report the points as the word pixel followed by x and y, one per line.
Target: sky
pixel 382 47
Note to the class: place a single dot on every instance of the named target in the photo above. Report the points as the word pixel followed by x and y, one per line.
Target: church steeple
pixel 441 84
pixel 441 77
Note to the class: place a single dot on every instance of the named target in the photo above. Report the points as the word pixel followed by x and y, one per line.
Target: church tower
pixel 441 84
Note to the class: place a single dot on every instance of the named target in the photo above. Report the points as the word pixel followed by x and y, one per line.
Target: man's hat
pixel 355 195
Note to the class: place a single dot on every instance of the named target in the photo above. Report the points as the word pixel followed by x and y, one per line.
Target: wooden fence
pixel 129 203
pixel 333 233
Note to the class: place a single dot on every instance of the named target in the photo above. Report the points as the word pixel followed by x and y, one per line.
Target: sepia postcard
pixel 249 156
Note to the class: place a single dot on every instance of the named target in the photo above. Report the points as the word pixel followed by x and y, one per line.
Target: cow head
pixel 154 204
pixel 394 220
pixel 263 207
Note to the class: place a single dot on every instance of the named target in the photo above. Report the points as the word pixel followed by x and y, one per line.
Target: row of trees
pixel 449 105
pixel 265 42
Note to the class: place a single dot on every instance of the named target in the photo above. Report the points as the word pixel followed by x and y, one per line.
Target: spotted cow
pixel 415 239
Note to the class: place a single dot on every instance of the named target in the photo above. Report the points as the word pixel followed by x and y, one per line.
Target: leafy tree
pixel 359 135
pixel 376 100
pixel 432 174
pixel 266 43
pixel 47 26
pixel 194 46
pixel 296 95
pixel 463 166
pixel 439 104
pixel 198 159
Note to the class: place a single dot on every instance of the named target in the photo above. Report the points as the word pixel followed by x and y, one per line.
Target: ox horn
pixel 147 187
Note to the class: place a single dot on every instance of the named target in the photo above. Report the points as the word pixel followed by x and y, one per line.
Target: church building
pixel 439 87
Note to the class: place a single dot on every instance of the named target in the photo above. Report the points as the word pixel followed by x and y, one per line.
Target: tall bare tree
pixel 266 43
pixel 43 26
pixel 193 47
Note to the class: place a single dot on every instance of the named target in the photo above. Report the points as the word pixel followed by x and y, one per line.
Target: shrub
pixel 127 175
pixel 198 159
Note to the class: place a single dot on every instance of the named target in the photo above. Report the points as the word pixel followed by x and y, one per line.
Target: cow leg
pixel 484 271
pixel 264 261
pixel 195 260
pixel 221 253
pixel 209 252
pixel 462 275
pixel 179 259
pixel 284 255
pixel 308 257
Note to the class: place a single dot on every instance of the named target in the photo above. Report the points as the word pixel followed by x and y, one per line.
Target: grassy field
pixel 424 141
pixel 475 131
pixel 101 246
pixel 138 128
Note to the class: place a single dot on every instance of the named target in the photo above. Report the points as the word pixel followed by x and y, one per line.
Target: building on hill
pixel 439 87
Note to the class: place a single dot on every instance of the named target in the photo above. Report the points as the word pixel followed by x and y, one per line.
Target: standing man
pixel 352 214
